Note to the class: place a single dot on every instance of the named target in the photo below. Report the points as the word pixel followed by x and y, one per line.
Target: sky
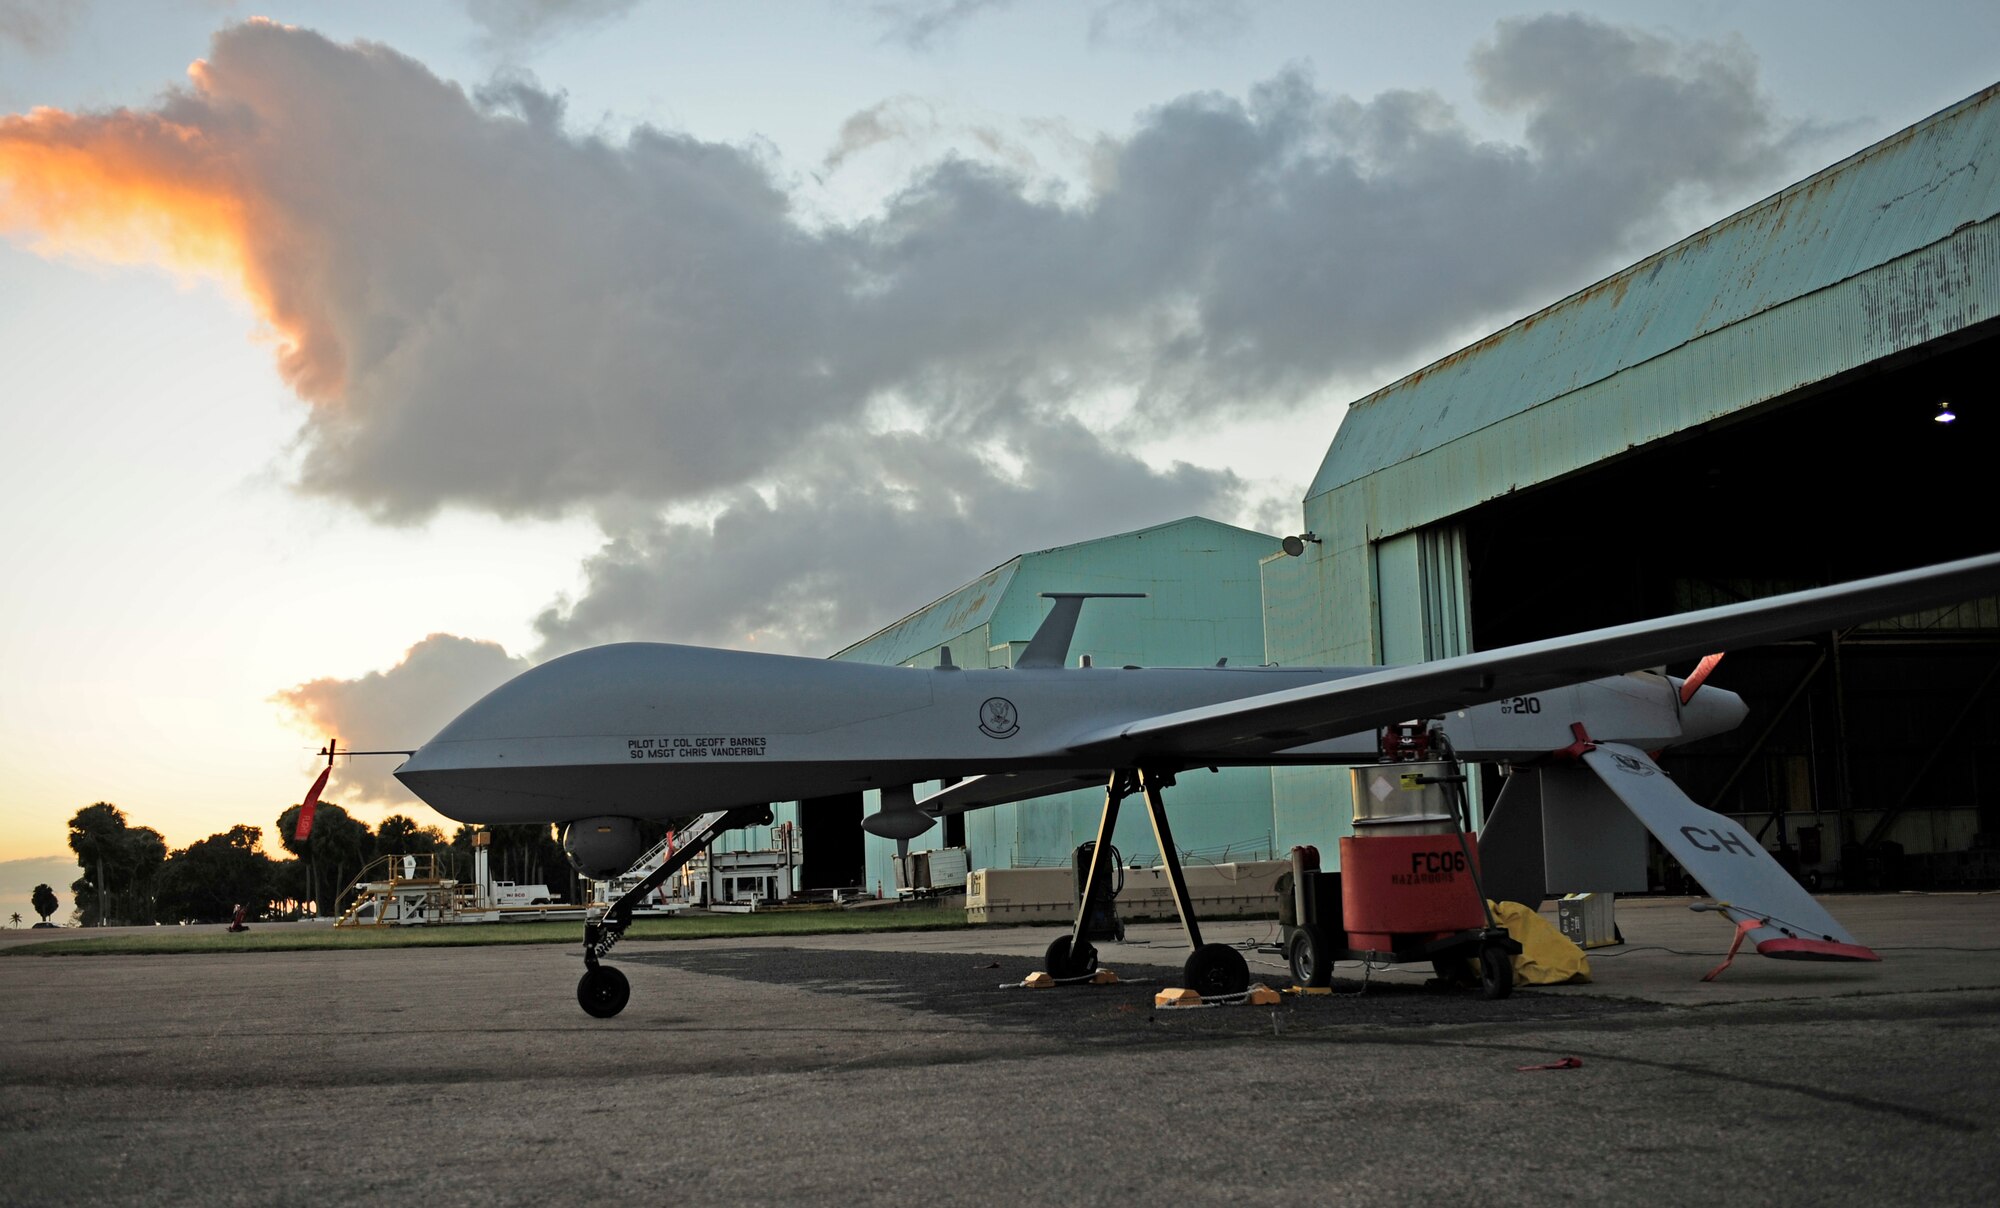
pixel 356 356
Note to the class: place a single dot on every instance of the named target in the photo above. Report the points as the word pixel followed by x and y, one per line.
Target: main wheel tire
pixel 1496 972
pixel 1064 963
pixel 1215 970
pixel 603 992
pixel 1309 958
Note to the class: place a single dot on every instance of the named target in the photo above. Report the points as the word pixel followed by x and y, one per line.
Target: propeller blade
pixel 1699 675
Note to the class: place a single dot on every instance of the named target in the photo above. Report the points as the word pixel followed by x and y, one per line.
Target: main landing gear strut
pixel 1211 969
pixel 603 990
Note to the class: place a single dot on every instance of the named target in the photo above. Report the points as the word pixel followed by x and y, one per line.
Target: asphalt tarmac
pixel 895 1068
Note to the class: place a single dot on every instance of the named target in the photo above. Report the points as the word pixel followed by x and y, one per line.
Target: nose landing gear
pixel 603 991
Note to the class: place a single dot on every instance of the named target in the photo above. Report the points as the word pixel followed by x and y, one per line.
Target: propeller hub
pixel 1711 711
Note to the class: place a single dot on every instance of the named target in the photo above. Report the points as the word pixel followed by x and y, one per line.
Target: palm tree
pixel 17 918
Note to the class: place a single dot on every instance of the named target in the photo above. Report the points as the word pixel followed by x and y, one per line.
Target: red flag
pixel 311 802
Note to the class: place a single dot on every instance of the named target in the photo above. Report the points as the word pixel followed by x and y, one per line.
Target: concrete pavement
pixel 891 1067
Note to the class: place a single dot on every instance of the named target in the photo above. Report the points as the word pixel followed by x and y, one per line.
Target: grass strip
pixel 292 937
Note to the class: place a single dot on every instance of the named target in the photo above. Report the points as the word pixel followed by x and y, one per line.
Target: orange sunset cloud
pixel 142 188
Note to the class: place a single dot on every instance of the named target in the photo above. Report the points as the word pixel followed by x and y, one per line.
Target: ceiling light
pixel 1944 415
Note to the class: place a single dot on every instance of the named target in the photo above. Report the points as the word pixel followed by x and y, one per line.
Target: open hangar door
pixel 830 834
pixel 1871 758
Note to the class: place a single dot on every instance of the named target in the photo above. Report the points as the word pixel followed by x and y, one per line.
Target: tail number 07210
pixel 1521 704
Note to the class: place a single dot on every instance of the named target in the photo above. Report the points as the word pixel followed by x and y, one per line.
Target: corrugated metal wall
pixel 1871 259
pixel 1204 602
pixel 1878 255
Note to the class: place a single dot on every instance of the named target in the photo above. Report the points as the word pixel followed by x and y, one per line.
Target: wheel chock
pixel 1177 997
pixel 1038 981
pixel 1262 995
pixel 1104 977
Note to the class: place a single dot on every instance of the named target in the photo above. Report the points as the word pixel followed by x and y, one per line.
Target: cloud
pixel 1243 252
pixel 514 26
pixel 897 119
pixel 38 26
pixel 1164 24
pixel 486 310
pixel 917 126
pixel 1618 112
pixel 921 24
pixel 480 308
pixel 401 707
pixel 860 534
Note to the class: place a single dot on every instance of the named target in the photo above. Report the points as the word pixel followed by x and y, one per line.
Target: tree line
pixel 130 877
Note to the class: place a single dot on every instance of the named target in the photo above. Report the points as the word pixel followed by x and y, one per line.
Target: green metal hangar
pixel 1754 409
pixel 1203 603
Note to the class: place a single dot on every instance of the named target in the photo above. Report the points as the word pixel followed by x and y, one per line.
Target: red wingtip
pixel 1815 950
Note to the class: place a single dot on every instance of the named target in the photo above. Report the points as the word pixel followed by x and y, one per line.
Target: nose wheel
pixel 603 991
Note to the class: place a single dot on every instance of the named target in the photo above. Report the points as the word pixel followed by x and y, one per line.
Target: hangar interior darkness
pixel 1883 740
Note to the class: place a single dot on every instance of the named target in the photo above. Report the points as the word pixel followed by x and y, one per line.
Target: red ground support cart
pixel 1408 888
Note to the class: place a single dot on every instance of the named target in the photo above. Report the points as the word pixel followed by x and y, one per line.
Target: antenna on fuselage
pixel 1050 645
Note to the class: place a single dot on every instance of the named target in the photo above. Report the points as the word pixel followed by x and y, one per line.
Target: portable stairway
pixel 603 930
pixel 616 887
pixel 401 889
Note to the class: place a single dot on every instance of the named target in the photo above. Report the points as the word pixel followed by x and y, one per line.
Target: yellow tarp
pixel 1548 958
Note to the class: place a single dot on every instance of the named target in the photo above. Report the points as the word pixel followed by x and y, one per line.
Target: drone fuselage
pixel 661 731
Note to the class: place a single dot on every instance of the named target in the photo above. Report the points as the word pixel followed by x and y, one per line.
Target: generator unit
pixel 1408 888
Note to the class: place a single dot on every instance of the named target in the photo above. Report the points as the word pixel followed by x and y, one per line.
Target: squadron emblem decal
pixel 1628 764
pixel 997 718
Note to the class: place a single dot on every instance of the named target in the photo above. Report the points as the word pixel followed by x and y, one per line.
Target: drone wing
pixel 1003 788
pixel 1259 725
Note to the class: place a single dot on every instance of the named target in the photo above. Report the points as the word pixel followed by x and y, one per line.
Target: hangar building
pixel 1203 602
pixel 1754 409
